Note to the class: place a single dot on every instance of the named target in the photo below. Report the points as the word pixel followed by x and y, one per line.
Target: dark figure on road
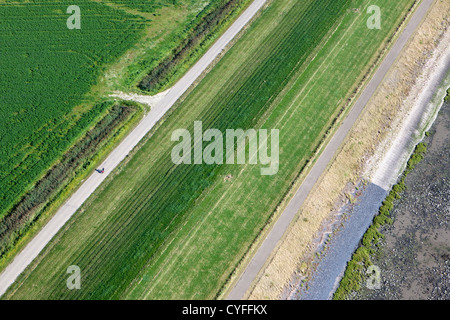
pixel 100 171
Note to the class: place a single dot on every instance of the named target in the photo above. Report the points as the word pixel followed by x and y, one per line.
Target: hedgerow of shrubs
pixel 22 216
pixel 197 38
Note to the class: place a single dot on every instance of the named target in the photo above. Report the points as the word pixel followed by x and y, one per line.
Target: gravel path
pixel 414 258
pixel 34 247
pixel 429 196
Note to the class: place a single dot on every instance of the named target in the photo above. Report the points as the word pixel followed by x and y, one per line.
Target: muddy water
pixel 415 256
pixel 344 242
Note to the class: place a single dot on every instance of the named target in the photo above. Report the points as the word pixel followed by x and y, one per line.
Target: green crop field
pixel 161 231
pixel 55 82
pixel 45 72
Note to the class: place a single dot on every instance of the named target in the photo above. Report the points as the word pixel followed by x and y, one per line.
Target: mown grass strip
pixel 46 71
pixel 164 231
pixel 162 193
pixel 80 157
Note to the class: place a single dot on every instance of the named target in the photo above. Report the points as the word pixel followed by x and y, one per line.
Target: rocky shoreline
pixel 414 256
pixel 417 243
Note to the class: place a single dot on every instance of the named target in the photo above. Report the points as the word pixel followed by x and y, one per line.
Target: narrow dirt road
pixel 279 228
pixel 34 247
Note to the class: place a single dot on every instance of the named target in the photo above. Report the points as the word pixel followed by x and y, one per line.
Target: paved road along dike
pixel 34 247
pixel 279 228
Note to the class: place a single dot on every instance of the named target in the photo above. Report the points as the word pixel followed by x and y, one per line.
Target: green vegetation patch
pixel 447 96
pixel 146 5
pixel 355 272
pixel 195 37
pixel 46 70
pixel 161 231
pixel 16 223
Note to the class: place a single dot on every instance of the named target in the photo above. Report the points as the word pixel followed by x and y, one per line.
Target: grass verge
pixel 291 261
pixel 164 231
pixel 38 205
pixel 355 274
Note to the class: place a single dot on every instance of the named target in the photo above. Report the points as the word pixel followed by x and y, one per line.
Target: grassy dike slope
pixel 46 74
pixel 38 82
pixel 160 231
pixel 378 122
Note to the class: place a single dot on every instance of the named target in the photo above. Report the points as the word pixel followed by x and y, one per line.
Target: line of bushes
pixel 45 85
pixel 361 258
pixel 18 221
pixel 199 37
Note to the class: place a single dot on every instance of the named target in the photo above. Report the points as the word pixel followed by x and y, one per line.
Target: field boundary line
pixel 115 158
pixel 276 232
